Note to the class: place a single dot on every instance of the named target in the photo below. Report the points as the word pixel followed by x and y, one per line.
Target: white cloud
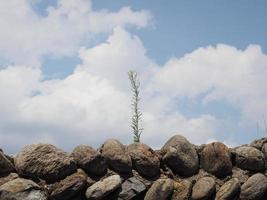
pixel 27 37
pixel 221 73
pixel 92 104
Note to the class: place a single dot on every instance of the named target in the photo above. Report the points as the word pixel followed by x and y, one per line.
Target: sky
pixel 63 71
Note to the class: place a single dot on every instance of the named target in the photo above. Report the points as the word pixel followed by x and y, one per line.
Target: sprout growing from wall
pixel 136 115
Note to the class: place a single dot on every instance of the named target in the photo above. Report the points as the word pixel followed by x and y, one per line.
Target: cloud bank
pixel 93 103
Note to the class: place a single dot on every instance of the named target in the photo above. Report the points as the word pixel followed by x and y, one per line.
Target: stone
pixel 264 151
pixel 161 190
pixel 69 187
pixel 6 165
pixel 44 161
pixel 254 188
pixel 131 188
pixel 258 143
pixel 240 174
pixel 117 157
pixel 249 158
pixel 144 159
pixel 216 159
pixel 90 160
pixel 203 189
pixel 20 188
pixel 180 156
pixel 229 190
pixel 8 178
pixel 182 190
pixel 103 188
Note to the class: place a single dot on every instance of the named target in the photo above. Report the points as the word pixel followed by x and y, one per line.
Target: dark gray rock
pixel 258 143
pixel 161 190
pixel 216 159
pixel 249 158
pixel 90 160
pixel 182 190
pixel 254 188
pixel 116 155
pixel 180 156
pixel 6 166
pixel 204 188
pixel 131 188
pixel 103 188
pixel 44 161
pixel 229 190
pixel 21 189
pixel 144 159
pixel 264 151
pixel 69 187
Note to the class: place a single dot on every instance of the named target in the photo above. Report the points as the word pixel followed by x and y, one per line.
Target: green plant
pixel 136 117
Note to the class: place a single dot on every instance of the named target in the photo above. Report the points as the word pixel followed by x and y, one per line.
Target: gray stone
pixel 5 165
pixel 69 187
pixel 131 188
pixel 21 189
pixel 44 161
pixel 204 189
pixel 264 151
pixel 254 188
pixel 116 155
pixel 90 160
pixel 103 188
pixel 229 190
pixel 216 159
pixel 258 143
pixel 160 190
pixel 180 156
pixel 144 159
pixel 249 158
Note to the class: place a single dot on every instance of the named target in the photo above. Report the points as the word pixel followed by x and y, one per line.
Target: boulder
pixel 144 159
pixel 264 151
pixel 131 189
pixel 67 188
pixel 216 159
pixel 254 188
pixel 20 188
pixel 204 189
pixel 161 190
pixel 103 188
pixel 116 155
pixel 182 190
pixel 240 174
pixel 6 165
pixel 44 161
pixel 90 160
pixel 180 156
pixel 258 143
pixel 8 178
pixel 249 158
pixel 229 190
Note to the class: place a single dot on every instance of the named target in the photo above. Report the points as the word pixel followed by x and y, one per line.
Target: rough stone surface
pixel 44 161
pixel 10 177
pixel 90 160
pixel 254 188
pixel 21 189
pixel 144 159
pixel 182 190
pixel 249 158
pixel 203 189
pixel 5 165
pixel 241 174
pixel 69 187
pixel 116 155
pixel 161 190
pixel 264 151
pixel 258 143
pixel 230 190
pixel 180 156
pixel 103 188
pixel 131 188
pixel 216 159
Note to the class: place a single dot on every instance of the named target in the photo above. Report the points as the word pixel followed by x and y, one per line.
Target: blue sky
pixel 63 64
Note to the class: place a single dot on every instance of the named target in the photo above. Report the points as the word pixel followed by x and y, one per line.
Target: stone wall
pixel 178 171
